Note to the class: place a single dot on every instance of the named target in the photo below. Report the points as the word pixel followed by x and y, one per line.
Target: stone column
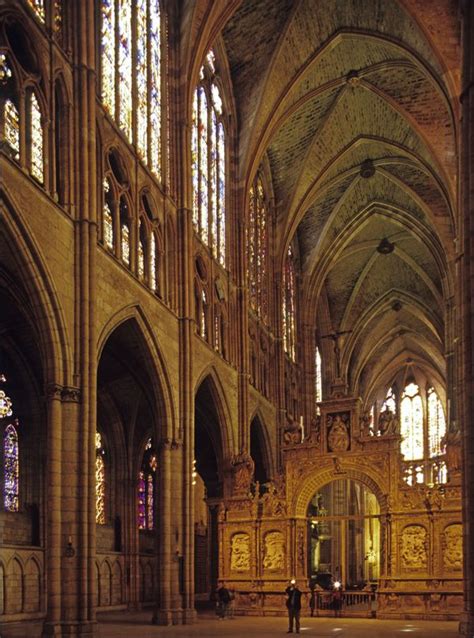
pixel 241 325
pixel 163 611
pixel 53 511
pixel 466 223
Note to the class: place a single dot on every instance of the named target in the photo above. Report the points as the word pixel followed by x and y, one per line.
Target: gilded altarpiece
pixel 265 531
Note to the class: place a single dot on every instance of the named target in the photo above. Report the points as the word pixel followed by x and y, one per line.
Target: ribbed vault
pixel 352 105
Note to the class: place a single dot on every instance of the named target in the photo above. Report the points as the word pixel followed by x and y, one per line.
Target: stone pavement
pixel 131 625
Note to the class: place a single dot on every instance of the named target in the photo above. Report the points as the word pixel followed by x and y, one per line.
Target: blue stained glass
pixel 11 462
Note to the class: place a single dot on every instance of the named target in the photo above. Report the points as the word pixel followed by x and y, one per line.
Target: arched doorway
pixel 344 536
pixel 208 491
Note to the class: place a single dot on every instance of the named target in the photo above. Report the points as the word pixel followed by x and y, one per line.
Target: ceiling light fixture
pixel 385 247
pixel 367 169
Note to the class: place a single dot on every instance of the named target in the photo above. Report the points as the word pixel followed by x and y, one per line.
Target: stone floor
pixel 131 625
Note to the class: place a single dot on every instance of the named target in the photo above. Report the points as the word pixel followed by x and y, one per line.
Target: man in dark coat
pixel 293 603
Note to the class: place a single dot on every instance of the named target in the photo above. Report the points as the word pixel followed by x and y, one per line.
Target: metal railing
pixel 350 603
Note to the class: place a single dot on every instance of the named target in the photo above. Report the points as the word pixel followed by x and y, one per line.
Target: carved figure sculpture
pixel 242 467
pixel 452 546
pixel 414 547
pixel 292 434
pixel 338 437
pixel 274 551
pixel 240 552
pixel 273 500
pixel 452 441
pixel 388 422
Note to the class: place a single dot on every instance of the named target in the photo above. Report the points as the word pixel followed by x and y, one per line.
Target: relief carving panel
pixel 414 547
pixel 240 552
pixel 452 547
pixel 274 551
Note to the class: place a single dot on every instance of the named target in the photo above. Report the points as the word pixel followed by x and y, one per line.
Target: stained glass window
pixel 146 488
pixel 125 66
pixel 125 232
pixel 203 318
pixel 258 248
pixel 128 69
pixel 38 8
pixel 155 101
pixel 108 220
pixel 141 252
pixel 11 454
pixel 436 424
pixel 11 119
pixel 99 480
pixel 108 55
pixel 12 127
pixel 36 139
pixel 208 161
pixel 318 379
pixel 11 461
pixel 411 427
pixel 153 263
pixel 289 305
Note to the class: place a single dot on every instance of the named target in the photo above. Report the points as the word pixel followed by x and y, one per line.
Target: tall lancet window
pixel 318 379
pixel 11 453
pixel 289 305
pixel 411 426
pixel 208 155
pixel 258 249
pixel 99 480
pixel 436 424
pixel 36 131
pixel 9 115
pixel 147 488
pixel 131 47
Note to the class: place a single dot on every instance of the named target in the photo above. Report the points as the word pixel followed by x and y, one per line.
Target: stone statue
pixel 365 424
pixel 243 468
pixel 273 500
pixel 338 437
pixel 240 552
pixel 452 441
pixel 388 422
pixel 292 435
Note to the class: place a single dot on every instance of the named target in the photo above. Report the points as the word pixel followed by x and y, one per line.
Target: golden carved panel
pixel 451 542
pixel 414 547
pixel 240 552
pixel 274 551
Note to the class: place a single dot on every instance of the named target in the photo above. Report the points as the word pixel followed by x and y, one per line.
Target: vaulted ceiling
pixel 353 105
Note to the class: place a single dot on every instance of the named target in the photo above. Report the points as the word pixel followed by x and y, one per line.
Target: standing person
pixel 223 600
pixel 337 598
pixel 293 604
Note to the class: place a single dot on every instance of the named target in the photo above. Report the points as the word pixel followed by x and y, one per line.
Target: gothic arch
pixel 38 282
pixel 265 442
pixel 210 377
pixel 318 478
pixel 156 365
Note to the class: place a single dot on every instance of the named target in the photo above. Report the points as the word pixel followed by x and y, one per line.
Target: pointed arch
pixel 155 363
pixel 261 449
pixel 38 283
pixel 213 435
pixel 32 585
